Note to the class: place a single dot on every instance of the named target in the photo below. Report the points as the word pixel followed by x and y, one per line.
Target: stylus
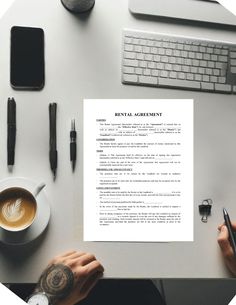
pixel 11 132
pixel 230 230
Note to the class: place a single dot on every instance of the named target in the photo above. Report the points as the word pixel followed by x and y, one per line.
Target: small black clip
pixel 205 209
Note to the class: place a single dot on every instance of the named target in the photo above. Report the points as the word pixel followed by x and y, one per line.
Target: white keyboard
pixel 159 60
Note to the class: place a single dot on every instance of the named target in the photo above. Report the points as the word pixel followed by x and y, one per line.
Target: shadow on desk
pixel 107 292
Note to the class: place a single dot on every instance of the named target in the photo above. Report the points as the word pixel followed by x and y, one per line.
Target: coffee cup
pixel 18 208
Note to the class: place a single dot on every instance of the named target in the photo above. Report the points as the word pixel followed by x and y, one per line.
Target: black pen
pixel 53 138
pixel 11 132
pixel 231 231
pixel 73 145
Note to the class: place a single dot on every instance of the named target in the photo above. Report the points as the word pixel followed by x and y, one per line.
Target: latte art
pixel 17 209
pixel 13 211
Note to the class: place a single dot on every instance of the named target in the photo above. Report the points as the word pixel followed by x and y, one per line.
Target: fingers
pixel 84 273
pixel 90 283
pixel 223 241
pixel 232 223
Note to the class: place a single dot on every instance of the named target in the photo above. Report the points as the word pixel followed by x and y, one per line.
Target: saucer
pixel 42 216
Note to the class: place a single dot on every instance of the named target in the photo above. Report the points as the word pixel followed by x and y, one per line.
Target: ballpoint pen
pixel 73 145
pixel 53 138
pixel 11 132
pixel 230 230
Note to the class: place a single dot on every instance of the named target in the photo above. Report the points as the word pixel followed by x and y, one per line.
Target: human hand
pixel 227 251
pixel 70 277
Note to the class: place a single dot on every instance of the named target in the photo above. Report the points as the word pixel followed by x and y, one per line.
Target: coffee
pixel 17 209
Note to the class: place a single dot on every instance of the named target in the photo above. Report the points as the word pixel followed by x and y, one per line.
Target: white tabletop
pixel 83 60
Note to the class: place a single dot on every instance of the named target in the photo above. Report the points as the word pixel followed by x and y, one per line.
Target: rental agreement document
pixel 138 170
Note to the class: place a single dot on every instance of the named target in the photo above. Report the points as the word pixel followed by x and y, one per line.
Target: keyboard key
pixel 214 79
pixel 147 72
pixel 164 59
pixel 130 78
pixel 206 78
pixel 160 66
pixel 179 60
pixel 224 52
pixel 138 71
pixel 223 58
pixel 190 76
pixel 128 40
pixel 210 64
pixel 233 62
pixel 209 71
pixel 185 68
pixel 179 83
pixel 177 68
pixel 222 80
pixel 155 72
pixel 217 51
pixel 129 70
pixel 146 50
pixel 140 56
pixel 148 56
pixel 193 69
pixel 223 88
pixel 131 62
pixel 191 55
pixel 181 75
pixel 164 73
pixel 129 47
pixel 207 86
pixel 215 57
pixel 143 64
pixel 153 51
pixel 188 61
pixel 137 48
pixel 209 50
pixel 198 77
pixel 161 51
pixel 168 67
pixel 199 55
pixel 233 54
pixel 233 70
pixel 219 65
pixel 173 74
pixel 130 55
pixel 172 60
pixel 216 72
pixel 206 56
pixel 201 70
pixel 169 52
pixel 180 47
pixel 202 49
pixel 149 80
pixel 184 54
pixel 152 65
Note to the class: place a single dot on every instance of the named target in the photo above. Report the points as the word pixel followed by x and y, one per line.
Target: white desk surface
pixel 83 58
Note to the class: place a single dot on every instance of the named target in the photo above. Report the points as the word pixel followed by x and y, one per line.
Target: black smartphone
pixel 27 58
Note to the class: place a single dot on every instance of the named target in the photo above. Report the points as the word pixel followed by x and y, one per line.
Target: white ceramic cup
pixel 15 214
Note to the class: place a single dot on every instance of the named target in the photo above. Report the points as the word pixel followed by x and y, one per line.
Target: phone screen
pixel 27 58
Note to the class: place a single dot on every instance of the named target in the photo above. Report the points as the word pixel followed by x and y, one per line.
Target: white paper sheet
pixel 138 170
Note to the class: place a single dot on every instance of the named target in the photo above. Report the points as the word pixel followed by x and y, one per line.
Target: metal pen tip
pixel 73 124
pixel 73 166
pixel 224 211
